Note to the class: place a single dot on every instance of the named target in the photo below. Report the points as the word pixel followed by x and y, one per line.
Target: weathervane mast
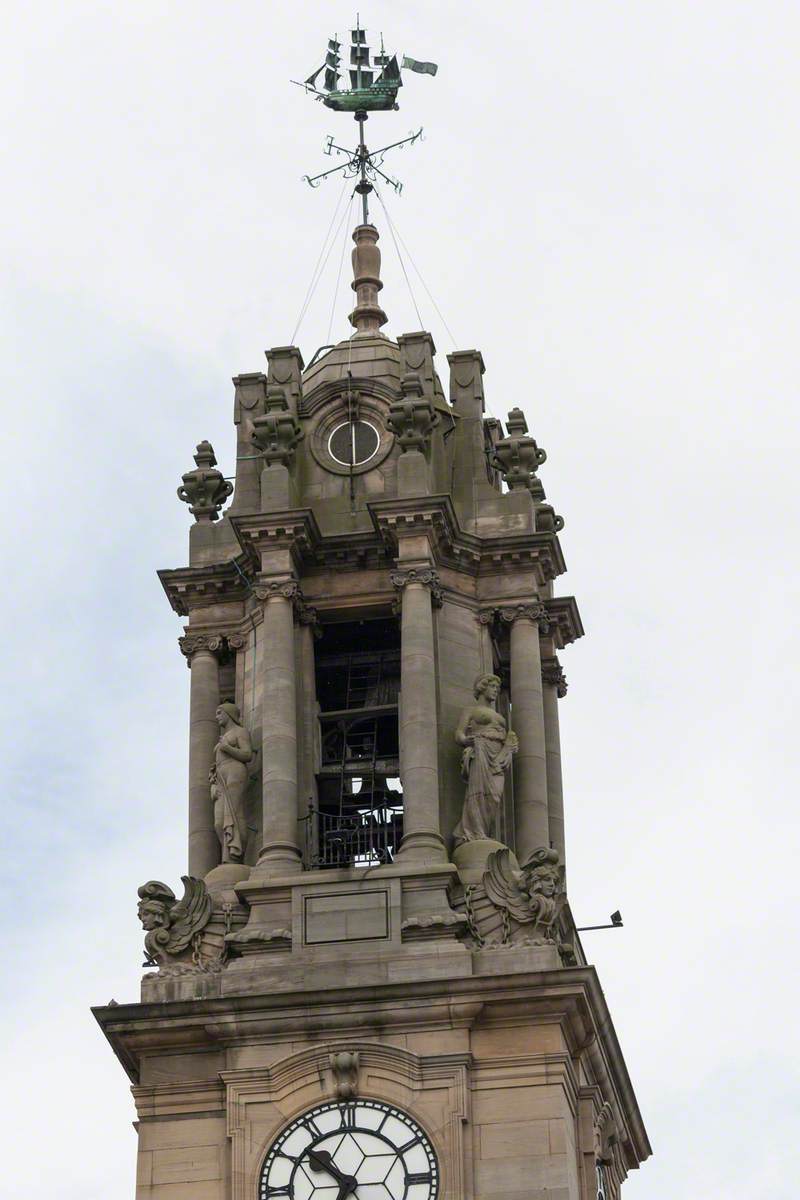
pixel 373 88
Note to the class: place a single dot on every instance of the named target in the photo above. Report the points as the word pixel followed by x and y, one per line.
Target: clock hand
pixel 321 1160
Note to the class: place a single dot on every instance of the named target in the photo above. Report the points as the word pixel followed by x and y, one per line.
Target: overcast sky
pixel 606 205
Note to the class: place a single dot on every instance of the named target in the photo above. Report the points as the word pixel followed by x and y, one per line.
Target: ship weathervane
pixel 373 86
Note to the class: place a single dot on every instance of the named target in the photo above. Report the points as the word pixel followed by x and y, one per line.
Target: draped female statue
pixel 488 747
pixel 228 777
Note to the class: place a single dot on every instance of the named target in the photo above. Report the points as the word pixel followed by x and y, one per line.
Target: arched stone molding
pixel 434 1089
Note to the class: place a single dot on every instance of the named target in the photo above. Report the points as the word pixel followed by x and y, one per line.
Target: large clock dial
pixel 360 1149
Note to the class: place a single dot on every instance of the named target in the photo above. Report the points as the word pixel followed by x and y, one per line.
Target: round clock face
pixel 360 1149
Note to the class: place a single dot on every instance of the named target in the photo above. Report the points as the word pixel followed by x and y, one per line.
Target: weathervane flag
pixel 422 68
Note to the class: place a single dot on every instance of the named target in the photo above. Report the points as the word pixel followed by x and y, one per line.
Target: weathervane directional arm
pixel 395 183
pixel 332 145
pixel 411 138
pixel 316 178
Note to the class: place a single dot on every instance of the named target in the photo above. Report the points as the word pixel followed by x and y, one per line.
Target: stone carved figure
pixel 515 905
pixel 488 747
pixel 228 778
pixel 173 928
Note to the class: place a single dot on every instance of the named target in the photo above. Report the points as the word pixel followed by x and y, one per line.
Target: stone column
pixel 532 829
pixel 307 716
pixel 555 687
pixel 419 741
pixel 279 853
pixel 201 651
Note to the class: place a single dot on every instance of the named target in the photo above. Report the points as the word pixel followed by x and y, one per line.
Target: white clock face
pixel 359 1148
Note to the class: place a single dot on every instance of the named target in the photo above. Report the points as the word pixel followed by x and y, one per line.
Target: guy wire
pixel 318 269
pixel 424 284
pixel 399 255
pixel 341 264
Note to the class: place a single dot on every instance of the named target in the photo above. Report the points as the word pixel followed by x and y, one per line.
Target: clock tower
pixel 369 983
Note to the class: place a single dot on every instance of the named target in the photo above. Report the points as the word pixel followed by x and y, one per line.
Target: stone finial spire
pixel 204 489
pixel 367 316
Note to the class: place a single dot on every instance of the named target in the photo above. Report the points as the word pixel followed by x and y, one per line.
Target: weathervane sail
pixel 374 84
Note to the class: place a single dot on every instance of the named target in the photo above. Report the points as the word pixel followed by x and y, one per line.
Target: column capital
pixel 307 615
pixel 553 674
pixel 425 576
pixel 194 643
pixel 280 586
pixel 533 612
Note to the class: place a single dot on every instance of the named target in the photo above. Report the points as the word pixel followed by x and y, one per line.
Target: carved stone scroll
pixel 265 589
pixel 193 643
pixel 526 612
pixel 424 575
pixel 553 675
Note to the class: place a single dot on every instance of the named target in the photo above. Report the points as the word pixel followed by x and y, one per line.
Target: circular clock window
pixel 361 1149
pixel 353 443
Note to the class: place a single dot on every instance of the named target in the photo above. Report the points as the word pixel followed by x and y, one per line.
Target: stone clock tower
pixel 369 982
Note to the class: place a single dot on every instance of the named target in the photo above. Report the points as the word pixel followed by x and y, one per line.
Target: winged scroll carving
pixel 175 938
pixel 513 905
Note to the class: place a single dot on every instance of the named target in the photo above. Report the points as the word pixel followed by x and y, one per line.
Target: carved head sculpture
pixel 487 687
pixel 543 881
pixel 155 902
pixel 228 714
pixel 542 874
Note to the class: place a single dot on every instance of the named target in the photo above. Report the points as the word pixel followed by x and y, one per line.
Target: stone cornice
pixel 571 995
pixel 468 552
pixel 190 588
pixel 295 530
pixel 356 551
pixel 564 620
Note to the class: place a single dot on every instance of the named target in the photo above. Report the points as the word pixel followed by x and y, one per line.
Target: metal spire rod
pixel 363 187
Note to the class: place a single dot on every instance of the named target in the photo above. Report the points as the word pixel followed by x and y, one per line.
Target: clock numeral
pixel 291 1157
pixel 421 1177
pixel 276 1191
pixel 414 1142
pixel 312 1127
pixel 347 1116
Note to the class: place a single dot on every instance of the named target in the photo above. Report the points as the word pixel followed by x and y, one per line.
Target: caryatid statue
pixel 488 747
pixel 228 777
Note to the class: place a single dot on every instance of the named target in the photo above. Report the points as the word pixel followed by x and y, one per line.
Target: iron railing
pixel 363 838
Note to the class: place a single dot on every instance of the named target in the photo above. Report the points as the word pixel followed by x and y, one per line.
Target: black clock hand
pixel 321 1160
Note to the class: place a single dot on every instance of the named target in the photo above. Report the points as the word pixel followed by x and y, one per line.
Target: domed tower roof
pixel 371 356
pixel 367 354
